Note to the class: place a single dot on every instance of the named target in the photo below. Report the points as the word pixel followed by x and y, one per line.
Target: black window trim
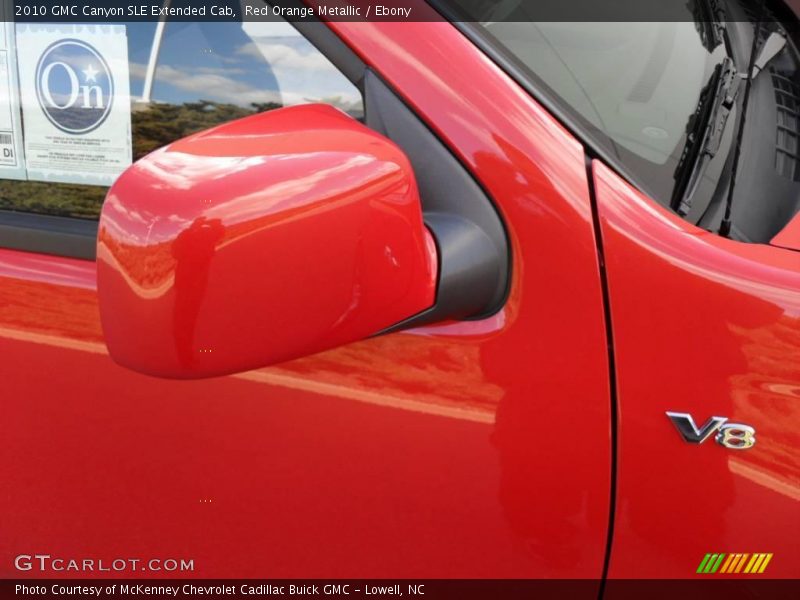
pixel 475 206
pixel 48 234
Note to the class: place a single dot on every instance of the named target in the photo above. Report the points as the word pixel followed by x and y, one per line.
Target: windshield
pixel 636 88
pixel 636 84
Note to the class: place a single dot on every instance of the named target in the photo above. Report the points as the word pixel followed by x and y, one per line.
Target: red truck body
pixel 530 444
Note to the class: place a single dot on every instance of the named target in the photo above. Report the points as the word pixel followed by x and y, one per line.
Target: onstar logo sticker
pixel 734 563
pixel 74 86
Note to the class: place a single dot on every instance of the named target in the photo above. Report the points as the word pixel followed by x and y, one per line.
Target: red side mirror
pixel 264 239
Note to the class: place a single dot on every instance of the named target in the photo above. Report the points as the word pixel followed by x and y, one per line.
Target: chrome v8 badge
pixel 735 436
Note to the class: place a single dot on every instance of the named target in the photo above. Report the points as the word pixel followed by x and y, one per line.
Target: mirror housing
pixel 264 239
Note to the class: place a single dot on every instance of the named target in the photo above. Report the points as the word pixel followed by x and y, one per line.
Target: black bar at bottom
pixel 419 589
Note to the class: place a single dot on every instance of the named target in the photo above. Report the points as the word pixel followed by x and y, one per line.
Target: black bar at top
pixel 119 11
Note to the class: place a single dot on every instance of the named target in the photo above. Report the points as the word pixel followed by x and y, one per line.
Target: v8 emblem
pixel 735 436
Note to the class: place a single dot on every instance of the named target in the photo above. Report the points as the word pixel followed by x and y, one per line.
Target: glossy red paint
pixel 258 241
pixel 707 326
pixel 548 358
pixel 789 236
pixel 472 449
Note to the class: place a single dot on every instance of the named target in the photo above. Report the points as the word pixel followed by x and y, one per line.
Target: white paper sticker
pixel 12 163
pixel 75 102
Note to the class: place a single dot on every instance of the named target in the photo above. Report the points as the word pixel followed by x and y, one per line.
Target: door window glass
pixel 180 78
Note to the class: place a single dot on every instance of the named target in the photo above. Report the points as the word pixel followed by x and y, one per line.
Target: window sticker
pixel 12 163
pixel 75 99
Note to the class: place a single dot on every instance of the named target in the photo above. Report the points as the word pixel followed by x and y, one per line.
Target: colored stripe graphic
pixel 732 567
pixel 764 564
pixel 740 564
pixel 703 563
pixel 760 560
pixel 755 562
pixel 736 562
pixel 716 564
pixel 724 568
pixel 710 563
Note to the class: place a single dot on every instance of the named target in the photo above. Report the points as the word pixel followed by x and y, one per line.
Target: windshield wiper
pixel 704 132
pixel 710 16
pixel 772 47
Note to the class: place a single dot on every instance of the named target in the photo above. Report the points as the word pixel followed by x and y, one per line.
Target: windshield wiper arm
pixel 704 132
pixel 711 15
pixel 726 224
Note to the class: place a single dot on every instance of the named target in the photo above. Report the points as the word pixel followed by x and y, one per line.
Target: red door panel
pixel 706 326
pixel 476 449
